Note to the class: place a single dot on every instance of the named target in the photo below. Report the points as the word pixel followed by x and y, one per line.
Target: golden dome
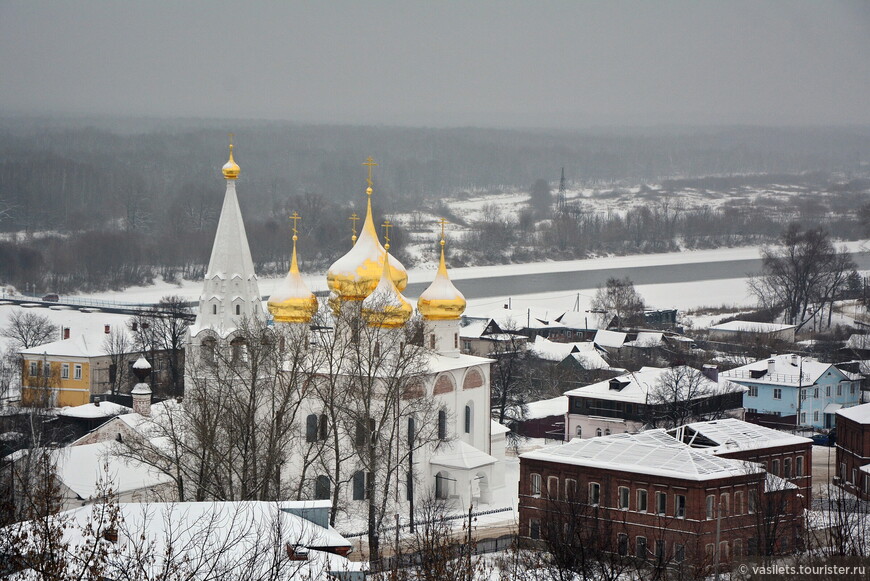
pixel 355 275
pixel 385 307
pixel 292 302
pixel 231 168
pixel 441 301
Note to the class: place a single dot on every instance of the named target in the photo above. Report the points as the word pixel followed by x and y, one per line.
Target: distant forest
pixel 92 204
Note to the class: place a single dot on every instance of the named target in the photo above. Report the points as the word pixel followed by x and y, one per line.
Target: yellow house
pixel 64 373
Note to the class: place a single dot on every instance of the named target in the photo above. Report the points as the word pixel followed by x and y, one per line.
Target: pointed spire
pixel 441 300
pixel 292 302
pixel 386 307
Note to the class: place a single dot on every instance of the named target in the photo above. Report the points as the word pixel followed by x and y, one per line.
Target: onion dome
pixel 231 168
pixel 441 301
pixel 386 307
pixel 355 275
pixel 292 302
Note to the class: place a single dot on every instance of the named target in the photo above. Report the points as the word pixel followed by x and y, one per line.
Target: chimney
pixel 142 391
pixel 711 372
pixel 107 329
pixel 771 365
pixel 794 359
pixel 66 332
pixel 134 326
pixel 97 401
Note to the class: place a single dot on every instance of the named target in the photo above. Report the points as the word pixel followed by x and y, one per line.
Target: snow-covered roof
pixel 647 339
pixel 512 319
pixel 80 467
pixel 787 369
pixel 652 453
pixel 635 386
pixel 497 428
pixel 87 345
pixel 858 413
pixel 773 483
pixel 730 434
pixel 91 410
pixel 557 406
pixel 751 327
pixel 575 320
pixel 605 338
pixel 590 360
pixel 543 348
pixel 235 539
pixel 473 329
pixel 460 456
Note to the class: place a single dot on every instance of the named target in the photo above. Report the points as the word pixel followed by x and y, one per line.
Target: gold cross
pixel 443 222
pixel 353 218
pixel 387 226
pixel 231 139
pixel 295 217
pixel 370 163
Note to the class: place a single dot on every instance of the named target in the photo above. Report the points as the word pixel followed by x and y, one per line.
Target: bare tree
pixel 117 345
pixel 28 329
pixel 618 300
pixel 683 394
pixel 162 329
pixel 511 386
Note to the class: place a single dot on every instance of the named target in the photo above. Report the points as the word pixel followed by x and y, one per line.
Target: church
pixel 383 387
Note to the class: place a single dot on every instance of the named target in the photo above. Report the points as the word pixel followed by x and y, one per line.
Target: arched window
pixel 207 349
pixel 322 488
pixel 598 431
pixel 412 429
pixel 311 428
pixel 468 419
pixel 442 486
pixel 607 432
pixel 579 431
pixel 214 309
pixel 238 309
pixel 442 425
pixel 322 428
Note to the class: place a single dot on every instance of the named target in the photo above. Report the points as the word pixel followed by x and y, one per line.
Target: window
pixel 799 466
pixel 442 425
pixel 803 417
pixel 640 547
pixel 412 432
pixel 816 416
pixel 594 493
pixel 660 550
pixel 570 489
pixel 321 488
pixel 852 389
pixel 623 497
pixel 311 430
pixel 622 544
pixel 77 371
pixel 238 309
pixel 468 419
pixel 46 369
pixel 709 550
pixel 535 485
pixel 607 432
pixel 432 341
pixel 777 393
pixel 738 548
pixel 360 490
pixel 534 528
pixel 711 507
pixel 679 553
pixel 466 345
pixel 723 551
pixel 752 546
pixel 827 391
pixel 598 432
pixel 661 503
pixel 738 503
pixel 641 501
pixel 752 410
pixel 33 371
pixel 803 394
pixel 753 501
pixel 724 501
pixel 363 432
pixel 214 309
pixel 816 393
pixel 442 488
pixel 753 391
pixel 774 467
pixel 786 468
pixel 579 431
pixel 553 487
pixel 839 389
pixel 456 340
pixel 64 371
pixel 680 506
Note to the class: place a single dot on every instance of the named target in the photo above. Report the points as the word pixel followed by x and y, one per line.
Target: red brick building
pixel 780 453
pixel 853 450
pixel 649 497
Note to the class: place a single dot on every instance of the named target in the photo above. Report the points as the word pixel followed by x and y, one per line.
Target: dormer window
pixel 617 385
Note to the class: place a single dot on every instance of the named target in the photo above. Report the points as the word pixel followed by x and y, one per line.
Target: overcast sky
pixel 506 64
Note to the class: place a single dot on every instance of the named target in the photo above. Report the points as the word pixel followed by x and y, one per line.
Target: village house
pixel 738 331
pixel 629 402
pixel 853 450
pixel 655 498
pixel 791 391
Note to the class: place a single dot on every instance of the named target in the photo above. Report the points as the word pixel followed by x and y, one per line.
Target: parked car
pixel 51 298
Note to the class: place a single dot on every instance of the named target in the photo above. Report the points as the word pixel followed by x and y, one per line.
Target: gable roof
pixel 858 413
pixel 460 456
pixel 636 386
pixel 652 452
pixel 788 369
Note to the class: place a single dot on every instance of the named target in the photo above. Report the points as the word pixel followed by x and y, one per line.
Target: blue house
pixel 790 391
